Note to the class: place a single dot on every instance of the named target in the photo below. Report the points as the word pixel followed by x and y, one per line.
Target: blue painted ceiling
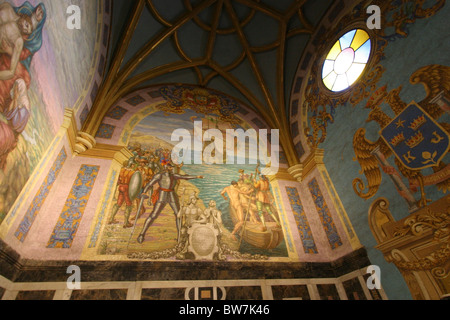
pixel 242 45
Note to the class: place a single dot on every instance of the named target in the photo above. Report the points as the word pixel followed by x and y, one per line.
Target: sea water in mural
pixel 164 209
pixel 35 59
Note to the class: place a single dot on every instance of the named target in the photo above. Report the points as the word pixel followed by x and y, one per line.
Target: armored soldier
pixel 154 163
pixel 147 175
pixel 188 215
pixel 167 181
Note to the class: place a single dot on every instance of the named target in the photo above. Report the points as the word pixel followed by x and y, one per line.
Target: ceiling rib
pixel 120 80
pixel 158 17
pixel 151 45
pixel 91 124
pixel 251 58
pixel 207 28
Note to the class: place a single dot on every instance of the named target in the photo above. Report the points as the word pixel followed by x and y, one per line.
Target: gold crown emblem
pixel 418 122
pixel 397 139
pixel 415 140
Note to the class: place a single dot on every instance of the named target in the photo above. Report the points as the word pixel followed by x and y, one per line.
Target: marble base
pixel 16 269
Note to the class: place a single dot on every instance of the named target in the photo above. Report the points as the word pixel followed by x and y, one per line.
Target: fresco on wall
pixel 166 209
pixel 399 110
pixel 42 72
pixel 396 144
pixel 414 137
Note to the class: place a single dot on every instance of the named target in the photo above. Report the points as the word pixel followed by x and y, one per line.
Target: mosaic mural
pixel 387 135
pixel 40 197
pixel 72 213
pixel 32 75
pixel 324 214
pixel 304 229
pixel 164 209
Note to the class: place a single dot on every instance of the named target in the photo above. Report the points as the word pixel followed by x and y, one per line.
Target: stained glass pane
pixel 360 38
pixel 327 68
pixel 363 53
pixel 341 83
pixel 344 61
pixel 347 60
pixel 346 39
pixel 334 52
pixel 329 80
pixel 354 72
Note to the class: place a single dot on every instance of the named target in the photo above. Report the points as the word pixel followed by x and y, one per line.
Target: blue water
pixel 216 178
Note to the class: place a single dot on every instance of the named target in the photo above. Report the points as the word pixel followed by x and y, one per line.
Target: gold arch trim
pixel 121 81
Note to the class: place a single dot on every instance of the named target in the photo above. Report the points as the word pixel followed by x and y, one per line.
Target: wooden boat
pixel 254 235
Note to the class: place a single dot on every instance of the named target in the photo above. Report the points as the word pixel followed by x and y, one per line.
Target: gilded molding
pixel 380 215
pixel 436 222
pixel 83 144
pixel 418 245
pixel 314 160
pixel 296 172
pixel 283 174
pixel 121 81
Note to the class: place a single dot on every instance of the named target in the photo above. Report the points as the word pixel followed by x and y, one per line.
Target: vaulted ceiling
pixel 248 49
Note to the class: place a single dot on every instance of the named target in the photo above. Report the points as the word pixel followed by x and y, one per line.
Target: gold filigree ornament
pixel 321 102
pixel 199 100
pixel 439 224
pixel 432 263
pixel 372 155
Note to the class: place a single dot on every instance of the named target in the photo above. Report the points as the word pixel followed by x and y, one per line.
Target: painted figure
pixel 32 43
pixel 247 198
pixel 233 192
pixel 245 178
pixel 147 175
pixel 212 215
pixel 263 199
pixel 154 163
pixel 14 76
pixel 191 213
pixel 166 181
pixel 20 38
pixel 123 183
pixel 188 215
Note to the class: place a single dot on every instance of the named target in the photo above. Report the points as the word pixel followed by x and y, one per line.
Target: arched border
pixel 307 92
pixel 127 113
pixel 84 104
pixel 297 115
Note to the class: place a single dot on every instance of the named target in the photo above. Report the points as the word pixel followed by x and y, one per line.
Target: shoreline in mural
pixel 226 146
pixel 122 232
pixel 205 212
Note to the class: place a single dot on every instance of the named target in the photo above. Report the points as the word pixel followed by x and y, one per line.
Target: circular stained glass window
pixel 347 60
